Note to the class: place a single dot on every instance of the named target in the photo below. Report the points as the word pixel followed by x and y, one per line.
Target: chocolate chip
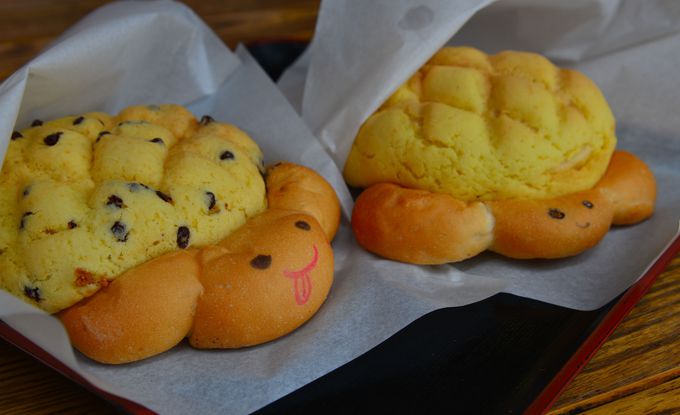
pixel 133 186
pixel 16 135
pixel 227 155
pixel 52 139
pixel 115 200
pixel 157 140
pixel 302 225
pixel 72 224
pixel 163 196
pixel 119 230
pixel 261 262
pixel 183 236
pixel 78 120
pixel 100 135
pixel 23 219
pixel 210 200
pixel 206 119
pixel 36 123
pixel 588 204
pixel 32 293
pixel 26 191
pixel 556 213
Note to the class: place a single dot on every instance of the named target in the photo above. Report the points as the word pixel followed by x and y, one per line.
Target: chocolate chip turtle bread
pixel 175 208
pixel 505 152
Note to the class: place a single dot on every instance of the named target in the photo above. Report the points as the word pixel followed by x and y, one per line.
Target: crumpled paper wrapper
pixel 154 52
pixel 363 51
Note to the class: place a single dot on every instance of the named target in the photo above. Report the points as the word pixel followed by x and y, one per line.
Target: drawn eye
pixel 588 204
pixel 302 225
pixel 556 213
pixel 261 261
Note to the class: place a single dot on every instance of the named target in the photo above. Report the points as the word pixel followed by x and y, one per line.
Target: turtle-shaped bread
pixel 150 226
pixel 506 152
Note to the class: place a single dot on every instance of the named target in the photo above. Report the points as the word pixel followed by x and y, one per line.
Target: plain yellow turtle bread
pixel 504 152
pixel 156 198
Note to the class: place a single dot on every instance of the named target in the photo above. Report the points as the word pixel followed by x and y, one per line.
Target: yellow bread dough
pixel 482 127
pixel 85 198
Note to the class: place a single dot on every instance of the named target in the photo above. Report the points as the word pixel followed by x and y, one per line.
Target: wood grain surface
pixel 30 25
pixel 636 371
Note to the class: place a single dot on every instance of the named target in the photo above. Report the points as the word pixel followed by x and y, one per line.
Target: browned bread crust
pixel 631 187
pixel 294 187
pixel 146 311
pixel 261 282
pixel 550 228
pixel 421 227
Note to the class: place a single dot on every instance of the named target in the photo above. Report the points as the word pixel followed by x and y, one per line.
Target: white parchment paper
pixel 362 51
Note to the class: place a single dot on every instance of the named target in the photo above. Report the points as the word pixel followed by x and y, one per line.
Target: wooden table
pixel 637 370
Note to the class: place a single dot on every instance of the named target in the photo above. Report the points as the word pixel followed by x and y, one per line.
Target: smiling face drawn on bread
pixel 505 153
pixel 165 227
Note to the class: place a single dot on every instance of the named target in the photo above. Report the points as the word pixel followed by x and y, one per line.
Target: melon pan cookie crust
pixel 482 127
pixel 87 197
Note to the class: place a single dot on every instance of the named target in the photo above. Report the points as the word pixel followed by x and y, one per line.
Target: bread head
pixel 262 282
pixel 298 188
pixel 630 186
